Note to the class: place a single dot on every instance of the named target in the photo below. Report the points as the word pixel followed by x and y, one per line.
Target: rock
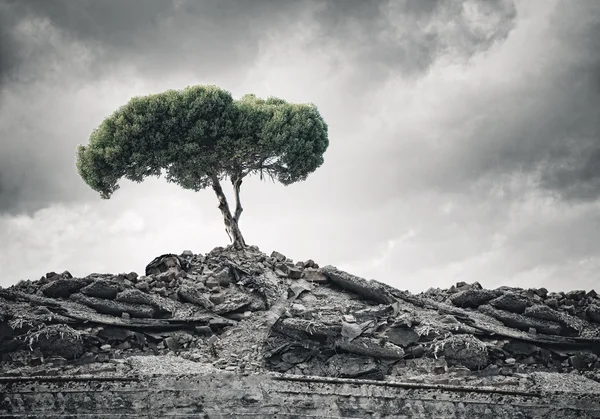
pixel 315 276
pixel 371 347
pixel 351 366
pixel 63 287
pixel 593 313
pixel 570 325
pixel 583 360
pixel 294 273
pixel 187 254
pixel 195 296
pixel 165 262
pixel 232 302
pixel 115 308
pixel 217 298
pixel 372 290
pixel 212 282
pixel 278 256
pixel 224 277
pixel 512 302
pixel 472 297
pixel 522 322
pixel 518 348
pixel 143 286
pixel 101 288
pixel 465 350
pixel 57 340
pixel 402 336
pixel 575 295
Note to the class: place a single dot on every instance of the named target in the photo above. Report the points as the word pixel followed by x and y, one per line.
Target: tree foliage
pixel 200 131
pixel 200 135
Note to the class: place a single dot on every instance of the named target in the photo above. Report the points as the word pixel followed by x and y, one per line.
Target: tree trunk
pixel 231 225
pixel 237 183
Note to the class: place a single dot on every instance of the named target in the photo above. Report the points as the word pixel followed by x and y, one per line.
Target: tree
pixel 200 136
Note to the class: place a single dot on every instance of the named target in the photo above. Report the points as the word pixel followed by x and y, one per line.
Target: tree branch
pixel 236 181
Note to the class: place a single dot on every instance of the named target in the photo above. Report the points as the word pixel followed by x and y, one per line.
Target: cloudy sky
pixel 464 134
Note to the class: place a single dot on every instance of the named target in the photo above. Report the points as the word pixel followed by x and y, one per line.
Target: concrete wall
pixel 220 395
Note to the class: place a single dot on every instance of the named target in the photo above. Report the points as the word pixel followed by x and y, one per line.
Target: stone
pixel 465 350
pixel 315 276
pixel 294 273
pixel 187 254
pixel 512 302
pixel 402 336
pixel 233 302
pixel 212 282
pixel 143 286
pixel 520 348
pixel 472 297
pixel 371 347
pixel 115 308
pixel 63 287
pixel 575 295
pixel 351 366
pixel 224 277
pixel 57 340
pixel 593 313
pixel 217 298
pixel 195 296
pixel 278 256
pixel 101 288
pixel 522 322
pixel 372 290
pixel 583 360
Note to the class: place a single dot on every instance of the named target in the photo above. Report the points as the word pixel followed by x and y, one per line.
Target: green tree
pixel 200 136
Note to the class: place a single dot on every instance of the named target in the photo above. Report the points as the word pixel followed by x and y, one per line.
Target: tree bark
pixel 231 225
pixel 237 183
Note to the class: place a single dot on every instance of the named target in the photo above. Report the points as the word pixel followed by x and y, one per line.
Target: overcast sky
pixel 464 135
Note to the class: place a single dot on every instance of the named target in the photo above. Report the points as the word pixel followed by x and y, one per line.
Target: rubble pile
pixel 245 311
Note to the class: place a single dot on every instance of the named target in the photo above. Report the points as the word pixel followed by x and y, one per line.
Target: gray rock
pixel 224 277
pixel 101 288
pixel 63 287
pixel 294 273
pixel 233 302
pixel 522 322
pixel 115 308
pixel 593 313
pixel 195 296
pixel 278 256
pixel 465 350
pixel 583 361
pixel 372 290
pixel 371 347
pixel 351 366
pixel 512 302
pixel 519 348
pixel 402 336
pixel 472 297
pixel 58 340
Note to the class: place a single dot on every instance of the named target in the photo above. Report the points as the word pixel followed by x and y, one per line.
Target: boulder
pixel 63 287
pixel 115 308
pixel 465 350
pixel 593 313
pixel 351 366
pixel 472 297
pixel 101 288
pixel 372 290
pixel 370 347
pixel 522 322
pixel 512 302
pixel 57 340
pixel 195 296
pixel 402 336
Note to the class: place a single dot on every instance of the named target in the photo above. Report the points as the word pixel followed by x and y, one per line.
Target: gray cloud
pixel 52 49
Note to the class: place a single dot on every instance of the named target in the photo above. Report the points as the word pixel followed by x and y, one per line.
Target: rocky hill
pixel 245 311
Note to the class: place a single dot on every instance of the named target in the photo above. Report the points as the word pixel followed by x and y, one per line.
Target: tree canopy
pixel 200 135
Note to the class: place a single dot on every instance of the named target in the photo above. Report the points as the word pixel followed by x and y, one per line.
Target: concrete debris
pixel 244 311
